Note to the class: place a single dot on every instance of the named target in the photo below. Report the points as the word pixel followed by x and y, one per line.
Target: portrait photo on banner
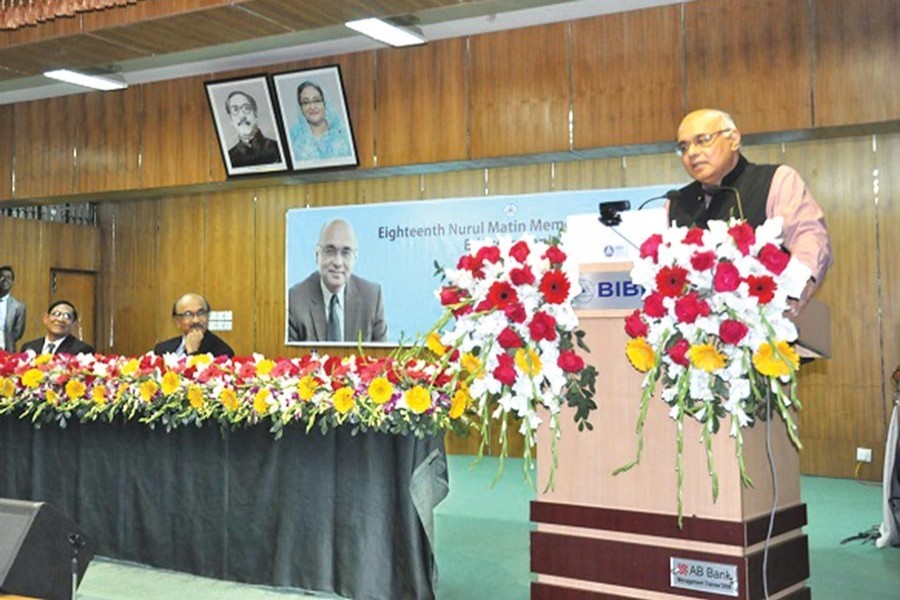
pixel 315 119
pixel 366 272
pixel 245 121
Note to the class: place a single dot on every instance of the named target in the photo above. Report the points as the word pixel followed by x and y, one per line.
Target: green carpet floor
pixel 482 547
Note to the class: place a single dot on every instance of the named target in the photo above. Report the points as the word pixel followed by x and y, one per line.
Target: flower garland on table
pixel 511 351
pixel 515 332
pixel 713 331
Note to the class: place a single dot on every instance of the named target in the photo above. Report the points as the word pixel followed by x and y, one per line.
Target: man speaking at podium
pixel 727 185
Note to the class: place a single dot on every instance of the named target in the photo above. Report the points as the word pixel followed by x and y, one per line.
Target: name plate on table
pixel 607 290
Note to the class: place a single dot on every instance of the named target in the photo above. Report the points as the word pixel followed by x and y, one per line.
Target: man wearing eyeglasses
pixel 727 185
pixel 333 304
pixel 12 311
pixel 191 316
pixel 252 147
pixel 59 320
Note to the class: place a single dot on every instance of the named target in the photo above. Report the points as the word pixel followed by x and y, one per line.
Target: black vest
pixel 751 181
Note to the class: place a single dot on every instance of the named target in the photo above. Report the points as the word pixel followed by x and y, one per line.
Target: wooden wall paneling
pixel 527 179
pixel 887 158
pixel 140 11
pixel 332 193
pixel 519 91
pixel 591 174
pixel 855 67
pixel 73 247
pixel 56 28
pixel 230 257
pixel 390 189
pixel 454 184
pixel 627 85
pixel 176 129
pixel 109 141
pixel 420 99
pixel 845 391
pixel 750 59
pixel 45 143
pixel 7 150
pixel 653 169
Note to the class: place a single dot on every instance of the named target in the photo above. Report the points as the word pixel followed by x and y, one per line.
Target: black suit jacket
pixel 211 344
pixel 69 345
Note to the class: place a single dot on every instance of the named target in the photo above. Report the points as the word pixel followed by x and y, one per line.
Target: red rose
pixel 555 287
pixel 509 339
pixel 653 306
pixel 689 307
pixel 500 294
pixel 451 295
pixel 570 362
pixel 520 251
pixel 694 236
pixel 332 364
pixel 635 326
pixel 702 261
pixel 774 258
pixel 521 276
pixel 743 236
pixel 762 288
pixel 471 264
pixel 732 331
pixel 554 255
pixel 542 327
pixel 650 247
pixel 678 352
pixel 727 278
pixel 670 281
pixel 515 312
pixel 490 254
pixel 505 372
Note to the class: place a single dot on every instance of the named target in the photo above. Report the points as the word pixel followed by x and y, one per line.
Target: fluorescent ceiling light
pixel 388 33
pixel 95 82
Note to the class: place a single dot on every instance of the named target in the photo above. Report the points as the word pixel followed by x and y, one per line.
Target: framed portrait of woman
pixel 245 120
pixel 315 120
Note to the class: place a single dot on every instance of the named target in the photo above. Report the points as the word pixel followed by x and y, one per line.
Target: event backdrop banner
pixel 398 245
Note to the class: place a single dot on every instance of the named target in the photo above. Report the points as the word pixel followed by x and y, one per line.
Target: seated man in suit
pixel 332 304
pixel 60 319
pixel 191 315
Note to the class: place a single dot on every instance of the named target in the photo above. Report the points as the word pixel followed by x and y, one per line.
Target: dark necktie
pixel 333 334
pixel 51 348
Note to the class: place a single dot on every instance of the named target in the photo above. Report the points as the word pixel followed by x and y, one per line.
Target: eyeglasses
pixel 332 251
pixel 307 103
pixel 188 314
pixel 703 140
pixel 236 109
pixel 62 316
pixel 7 277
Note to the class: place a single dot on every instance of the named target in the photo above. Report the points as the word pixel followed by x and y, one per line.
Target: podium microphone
pixel 671 196
pixel 712 190
pixel 609 216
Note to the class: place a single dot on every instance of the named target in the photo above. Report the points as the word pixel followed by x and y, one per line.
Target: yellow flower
pixel 148 390
pixel 418 399
pixel 229 399
pixel 460 402
pixel 433 341
pixel 98 394
pixel 306 387
pixel 42 359
pixel 528 361
pixel 75 389
pixel 195 396
pixel 171 381
pixel 640 354
pixel 265 367
pixel 380 390
pixel 32 378
pixel 121 392
pixel 7 387
pixel 769 363
pixel 343 400
pixel 260 401
pixel 472 364
pixel 131 367
pixel 52 397
pixel 706 357
pixel 199 359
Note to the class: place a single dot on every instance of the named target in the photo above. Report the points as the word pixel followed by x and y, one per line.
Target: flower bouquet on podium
pixel 712 332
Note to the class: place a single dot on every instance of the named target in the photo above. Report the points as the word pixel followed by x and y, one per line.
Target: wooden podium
pixel 600 536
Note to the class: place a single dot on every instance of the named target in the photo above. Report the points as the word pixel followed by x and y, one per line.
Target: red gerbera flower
pixel 555 287
pixel 762 288
pixel 670 281
pixel 501 294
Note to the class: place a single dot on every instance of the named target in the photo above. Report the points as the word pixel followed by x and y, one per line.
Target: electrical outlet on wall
pixel 864 455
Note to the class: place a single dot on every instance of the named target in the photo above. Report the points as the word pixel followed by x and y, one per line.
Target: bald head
pixel 710 143
pixel 336 253
pixel 191 311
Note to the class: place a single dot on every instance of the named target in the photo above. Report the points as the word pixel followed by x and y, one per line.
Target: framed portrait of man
pixel 315 119
pixel 244 117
